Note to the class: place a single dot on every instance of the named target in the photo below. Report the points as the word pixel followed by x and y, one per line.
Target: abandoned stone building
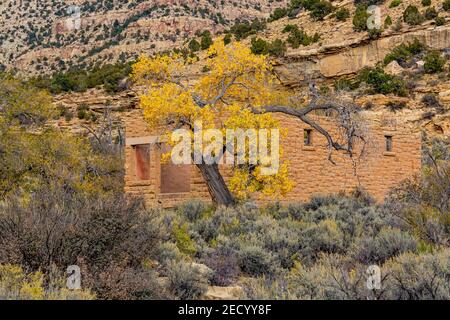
pixel 393 154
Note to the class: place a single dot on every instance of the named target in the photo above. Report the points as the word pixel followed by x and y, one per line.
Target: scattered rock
pixel 203 269
pixel 393 68
pixel 444 96
pixel 420 64
pixel 163 281
pixel 378 100
pixel 224 293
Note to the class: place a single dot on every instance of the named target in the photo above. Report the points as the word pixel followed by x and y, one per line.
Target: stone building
pixel 393 154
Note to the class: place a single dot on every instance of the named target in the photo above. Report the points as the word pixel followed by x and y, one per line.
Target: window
pixel 307 137
pixel 174 178
pixel 142 161
pixel 388 143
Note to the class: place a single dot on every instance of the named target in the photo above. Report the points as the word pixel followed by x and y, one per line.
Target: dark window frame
pixel 307 137
pixel 389 143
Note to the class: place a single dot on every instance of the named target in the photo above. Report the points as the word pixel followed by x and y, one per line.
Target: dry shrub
pixel 108 237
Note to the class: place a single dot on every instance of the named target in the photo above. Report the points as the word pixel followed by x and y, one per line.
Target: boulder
pixel 393 68
pixel 444 96
pixel 420 64
pixel 204 270
pixel 224 293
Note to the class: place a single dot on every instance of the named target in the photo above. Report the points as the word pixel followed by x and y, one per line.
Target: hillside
pixel 44 36
pixel 332 62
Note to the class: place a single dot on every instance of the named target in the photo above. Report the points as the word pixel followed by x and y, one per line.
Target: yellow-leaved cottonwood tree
pixel 237 90
pixel 34 155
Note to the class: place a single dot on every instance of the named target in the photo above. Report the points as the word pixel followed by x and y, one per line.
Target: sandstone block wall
pixel 378 171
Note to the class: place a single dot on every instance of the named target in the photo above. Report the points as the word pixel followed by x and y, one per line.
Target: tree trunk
pixel 217 187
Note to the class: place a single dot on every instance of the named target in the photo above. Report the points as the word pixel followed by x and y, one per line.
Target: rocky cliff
pixel 340 51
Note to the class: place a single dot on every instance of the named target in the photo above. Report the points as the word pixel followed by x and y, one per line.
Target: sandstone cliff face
pixel 352 60
pixel 348 58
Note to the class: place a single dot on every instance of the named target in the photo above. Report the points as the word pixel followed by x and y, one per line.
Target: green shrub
pixel 381 82
pixel 440 21
pixel 225 267
pixel 395 3
pixel 388 22
pixel 375 33
pixel 307 4
pixel 418 277
pixel 385 245
pixel 192 209
pixel 342 14
pixel 344 84
pixel 283 241
pixel 183 239
pixel 289 28
pixel 329 279
pixel 404 52
pixel 194 46
pixel 227 39
pixel 412 16
pixel 446 5
pixel 431 13
pixel 278 13
pixel 186 281
pixel 82 111
pixel 259 46
pixel 398 25
pixel 434 62
pixel 326 236
pixel 242 30
pixel 224 221
pixel 255 261
pixel 206 40
pixel 406 277
pixel 431 101
pixel 68 116
pixel 167 252
pixel 394 106
pixel 299 37
pixel 321 9
pixel 267 288
pixel 360 18
pixel 109 76
pixel 82 114
pixel 426 3
pixel 277 48
pixel 64 112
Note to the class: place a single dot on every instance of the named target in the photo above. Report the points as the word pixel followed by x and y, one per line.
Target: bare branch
pixel 346 120
pixel 224 89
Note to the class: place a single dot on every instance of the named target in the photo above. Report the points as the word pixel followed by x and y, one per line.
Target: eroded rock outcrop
pixel 348 58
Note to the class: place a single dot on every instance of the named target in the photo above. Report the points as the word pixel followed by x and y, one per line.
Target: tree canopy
pixel 239 90
pixel 34 154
